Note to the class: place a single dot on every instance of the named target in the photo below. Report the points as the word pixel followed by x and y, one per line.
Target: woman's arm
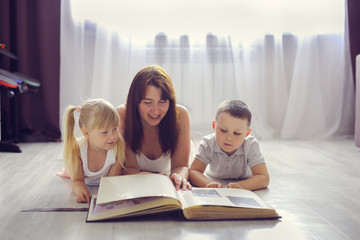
pixel 130 165
pixel 115 169
pixel 180 157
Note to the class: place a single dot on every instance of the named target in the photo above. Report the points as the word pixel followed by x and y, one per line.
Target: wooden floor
pixel 315 186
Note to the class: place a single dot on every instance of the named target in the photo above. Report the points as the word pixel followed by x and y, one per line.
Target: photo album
pixel 142 194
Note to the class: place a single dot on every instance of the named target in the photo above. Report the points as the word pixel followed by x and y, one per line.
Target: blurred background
pixel 291 61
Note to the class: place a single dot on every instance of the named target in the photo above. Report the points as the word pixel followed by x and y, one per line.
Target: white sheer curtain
pixel 290 63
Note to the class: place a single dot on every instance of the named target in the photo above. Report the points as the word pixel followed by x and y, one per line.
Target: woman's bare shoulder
pixel 182 109
pixel 183 116
pixel 121 110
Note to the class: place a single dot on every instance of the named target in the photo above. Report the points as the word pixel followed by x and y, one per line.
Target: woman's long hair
pixel 168 127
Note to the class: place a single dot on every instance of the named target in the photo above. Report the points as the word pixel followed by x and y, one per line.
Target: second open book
pixel 134 195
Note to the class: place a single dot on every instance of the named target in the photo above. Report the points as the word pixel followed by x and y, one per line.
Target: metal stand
pixel 7 146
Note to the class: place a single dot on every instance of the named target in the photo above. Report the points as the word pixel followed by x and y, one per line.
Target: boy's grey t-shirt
pixel 222 166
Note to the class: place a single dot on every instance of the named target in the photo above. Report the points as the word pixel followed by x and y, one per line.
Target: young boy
pixel 231 151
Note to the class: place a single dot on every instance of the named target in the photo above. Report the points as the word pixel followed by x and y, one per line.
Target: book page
pixel 105 207
pixel 125 187
pixel 130 207
pixel 229 197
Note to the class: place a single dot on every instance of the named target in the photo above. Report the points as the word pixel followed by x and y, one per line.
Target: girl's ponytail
pixel 71 147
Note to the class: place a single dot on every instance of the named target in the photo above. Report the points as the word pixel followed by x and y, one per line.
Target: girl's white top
pixel 93 178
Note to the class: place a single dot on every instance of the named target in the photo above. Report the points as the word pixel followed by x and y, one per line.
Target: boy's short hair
pixel 235 108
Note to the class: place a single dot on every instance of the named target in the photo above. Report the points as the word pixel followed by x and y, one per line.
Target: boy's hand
pixel 214 185
pixel 234 185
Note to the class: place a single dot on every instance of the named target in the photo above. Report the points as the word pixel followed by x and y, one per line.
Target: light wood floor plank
pixel 314 185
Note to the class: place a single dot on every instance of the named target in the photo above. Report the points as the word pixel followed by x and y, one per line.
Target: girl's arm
pixel 197 177
pixel 180 157
pixel 79 187
pixel 259 180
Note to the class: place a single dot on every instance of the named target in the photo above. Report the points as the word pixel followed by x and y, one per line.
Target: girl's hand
pixel 234 185
pixel 180 182
pixel 82 194
pixel 82 197
pixel 214 185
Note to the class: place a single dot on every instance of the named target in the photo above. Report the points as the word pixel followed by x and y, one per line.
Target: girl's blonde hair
pixel 94 114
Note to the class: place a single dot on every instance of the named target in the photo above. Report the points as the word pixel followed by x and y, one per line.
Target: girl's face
pixel 103 138
pixel 153 108
pixel 230 132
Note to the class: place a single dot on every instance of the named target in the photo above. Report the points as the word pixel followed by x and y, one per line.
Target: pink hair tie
pixel 78 108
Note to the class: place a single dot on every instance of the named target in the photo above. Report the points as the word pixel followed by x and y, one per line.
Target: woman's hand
pixel 180 182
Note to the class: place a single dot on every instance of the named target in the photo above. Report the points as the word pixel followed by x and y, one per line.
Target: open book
pixel 134 195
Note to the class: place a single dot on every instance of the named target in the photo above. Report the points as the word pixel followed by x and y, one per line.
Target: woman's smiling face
pixel 153 108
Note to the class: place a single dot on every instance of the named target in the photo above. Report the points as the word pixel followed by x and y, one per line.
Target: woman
pixel 156 130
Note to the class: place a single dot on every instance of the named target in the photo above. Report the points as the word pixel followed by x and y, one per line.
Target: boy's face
pixel 230 132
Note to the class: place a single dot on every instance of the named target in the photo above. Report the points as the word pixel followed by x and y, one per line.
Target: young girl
pixel 99 152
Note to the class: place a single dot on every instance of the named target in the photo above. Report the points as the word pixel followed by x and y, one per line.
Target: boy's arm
pixel 259 180
pixel 197 177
